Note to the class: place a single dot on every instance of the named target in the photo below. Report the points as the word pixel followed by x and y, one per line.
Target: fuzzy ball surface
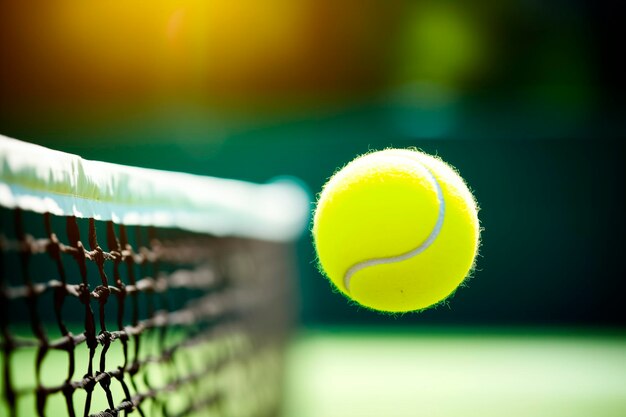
pixel 396 230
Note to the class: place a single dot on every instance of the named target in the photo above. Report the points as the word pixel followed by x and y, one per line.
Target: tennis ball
pixel 396 230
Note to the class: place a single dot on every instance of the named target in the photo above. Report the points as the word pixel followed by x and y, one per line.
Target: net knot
pixel 98 256
pixel 123 336
pixel 116 256
pixel 54 248
pixel 105 337
pixel 68 389
pixel 102 292
pixel 66 343
pixel 60 292
pixel 89 383
pixel 126 405
pixel 104 379
pixel 106 413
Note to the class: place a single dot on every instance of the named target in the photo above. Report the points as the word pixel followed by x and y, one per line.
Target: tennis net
pixel 132 290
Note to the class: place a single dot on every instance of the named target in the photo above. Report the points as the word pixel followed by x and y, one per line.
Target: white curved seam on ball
pixel 414 252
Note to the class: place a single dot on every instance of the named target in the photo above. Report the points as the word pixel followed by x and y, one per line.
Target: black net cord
pixel 60 292
pixel 129 261
pixel 222 301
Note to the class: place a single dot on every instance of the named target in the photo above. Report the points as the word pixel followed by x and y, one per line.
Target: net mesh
pixel 158 322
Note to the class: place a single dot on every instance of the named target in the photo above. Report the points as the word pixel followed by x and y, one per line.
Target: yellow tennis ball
pixel 396 230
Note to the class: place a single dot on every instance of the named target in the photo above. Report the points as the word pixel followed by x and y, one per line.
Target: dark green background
pixel 552 208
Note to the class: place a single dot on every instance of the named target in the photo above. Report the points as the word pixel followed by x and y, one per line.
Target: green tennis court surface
pixel 436 373
pixel 342 372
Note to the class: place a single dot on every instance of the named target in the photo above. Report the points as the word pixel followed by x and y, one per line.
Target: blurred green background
pixel 523 97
